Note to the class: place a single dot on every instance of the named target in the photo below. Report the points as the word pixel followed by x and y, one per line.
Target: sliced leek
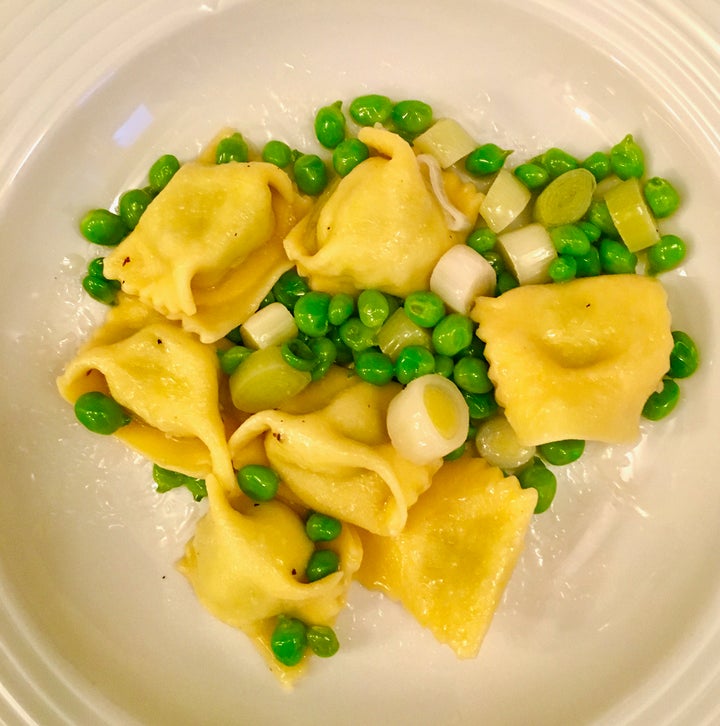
pixel 565 199
pixel 498 444
pixel 505 200
pixel 428 419
pixel 446 140
pixel 528 252
pixel 272 325
pixel 631 216
pixel 461 275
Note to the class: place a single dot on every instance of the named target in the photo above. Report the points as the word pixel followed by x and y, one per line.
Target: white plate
pixel 613 615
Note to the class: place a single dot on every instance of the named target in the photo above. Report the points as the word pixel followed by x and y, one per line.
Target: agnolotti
pixel 450 564
pixel 246 563
pixel 166 379
pixel 381 227
pixel 338 459
pixel 209 246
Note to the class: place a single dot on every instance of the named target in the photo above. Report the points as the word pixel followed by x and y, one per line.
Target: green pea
pixel 598 164
pixel 267 300
pixel 132 205
pixel 373 366
pixel 444 365
pixel 482 240
pixel 662 402
pixel 322 527
pixel 591 231
pixel 471 375
pixel 627 158
pixel 412 362
pixel 563 268
pixel 103 227
pixel 684 357
pixel 560 453
pixel 259 483
pixel 569 239
pixel 101 289
pixel 424 308
pixel 165 480
pixel 343 352
pixel 298 354
pixel 100 413
pixel 557 161
pixel 452 334
pixel 162 171
pixel 311 313
pixel 666 254
pixel 231 358
pixel 325 352
pixel 588 265
pixel 505 281
pixel 322 641
pixel 486 159
pixel 533 176
pixel 288 640
pixel 289 288
pixel 96 268
pixel 661 196
pixel 599 215
pixel 373 308
pixel 480 405
pixel 371 109
pixel 616 258
pixel 321 564
pixel 537 476
pixel 311 175
pixel 348 154
pixel 456 453
pixel 341 307
pixel 497 261
pixel 231 148
pixel 277 153
pixel 411 117
pixel 330 125
pixel 356 335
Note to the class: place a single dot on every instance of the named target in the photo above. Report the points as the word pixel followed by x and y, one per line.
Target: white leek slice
pixel 398 332
pixel 631 216
pixel 272 325
pixel 506 198
pixel 498 444
pixel 528 251
pixel 427 419
pixel 456 220
pixel 461 275
pixel 446 140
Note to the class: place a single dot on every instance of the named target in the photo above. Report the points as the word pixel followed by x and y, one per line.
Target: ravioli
pixel 381 227
pixel 246 563
pixel 209 246
pixel 167 379
pixel 577 360
pixel 338 459
pixel 450 564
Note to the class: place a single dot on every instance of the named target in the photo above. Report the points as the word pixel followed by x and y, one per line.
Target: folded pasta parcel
pixel 166 378
pixel 450 564
pixel 382 227
pixel 246 563
pixel 338 458
pixel 209 246
pixel 577 360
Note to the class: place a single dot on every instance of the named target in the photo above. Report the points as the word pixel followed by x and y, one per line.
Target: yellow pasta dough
pixel 339 459
pixel 209 247
pixel 167 379
pixel 246 563
pixel 577 360
pixel 450 564
pixel 381 227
